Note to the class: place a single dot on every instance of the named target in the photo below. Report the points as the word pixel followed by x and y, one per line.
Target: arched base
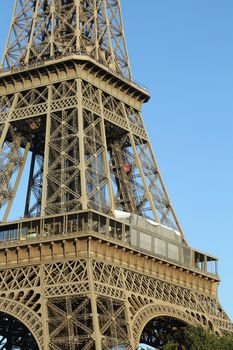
pixel 15 335
pixel 25 318
pixel 162 330
pixel 152 312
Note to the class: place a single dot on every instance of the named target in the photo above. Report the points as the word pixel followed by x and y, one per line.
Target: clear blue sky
pixel 183 52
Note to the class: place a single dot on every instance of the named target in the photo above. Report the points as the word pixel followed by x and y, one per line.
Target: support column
pixel 82 163
pixel 44 311
pixel 105 156
pixel 129 322
pixel 46 153
pixel 96 333
pixel 32 32
pixel 139 165
pixel 167 197
pixel 30 183
pixel 18 178
pixel 7 122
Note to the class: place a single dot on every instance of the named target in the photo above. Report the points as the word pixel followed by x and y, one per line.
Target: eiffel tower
pixel 98 256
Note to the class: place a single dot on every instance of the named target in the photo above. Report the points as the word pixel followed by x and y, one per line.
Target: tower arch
pixel 154 311
pixel 25 316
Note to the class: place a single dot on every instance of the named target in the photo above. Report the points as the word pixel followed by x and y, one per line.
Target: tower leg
pixel 96 333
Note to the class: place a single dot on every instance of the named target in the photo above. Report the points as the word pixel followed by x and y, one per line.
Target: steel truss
pixel 92 149
pixel 71 114
pixel 59 301
pixel 45 29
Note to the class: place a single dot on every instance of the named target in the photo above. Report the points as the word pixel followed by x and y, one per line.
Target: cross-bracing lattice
pixel 75 275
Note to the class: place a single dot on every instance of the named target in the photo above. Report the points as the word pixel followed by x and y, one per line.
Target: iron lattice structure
pixel 99 251
pixel 43 29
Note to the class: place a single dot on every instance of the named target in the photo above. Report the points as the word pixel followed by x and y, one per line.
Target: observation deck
pixel 131 233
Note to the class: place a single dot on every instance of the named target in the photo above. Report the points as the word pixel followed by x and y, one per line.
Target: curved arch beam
pixel 148 312
pixel 24 315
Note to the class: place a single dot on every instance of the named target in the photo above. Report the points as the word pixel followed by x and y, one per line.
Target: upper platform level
pixel 36 70
pixel 129 232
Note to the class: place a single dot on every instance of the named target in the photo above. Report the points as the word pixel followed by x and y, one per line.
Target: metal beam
pixel 17 181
